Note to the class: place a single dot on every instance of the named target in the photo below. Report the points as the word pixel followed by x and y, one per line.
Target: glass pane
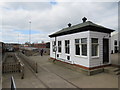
pixel 94 50
pixel 68 41
pixel 65 42
pixel 76 40
pixel 68 50
pixel 59 43
pixel 83 40
pixel 115 42
pixel 59 49
pixel 94 40
pixel 65 49
pixel 77 50
pixel 84 49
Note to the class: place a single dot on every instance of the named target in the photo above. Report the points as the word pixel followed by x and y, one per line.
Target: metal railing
pixel 13 86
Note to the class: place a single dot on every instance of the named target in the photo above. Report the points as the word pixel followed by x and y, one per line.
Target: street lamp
pixel 30 33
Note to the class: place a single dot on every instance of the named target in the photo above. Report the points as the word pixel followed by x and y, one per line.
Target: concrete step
pixel 117 69
pixel 118 72
pixel 112 70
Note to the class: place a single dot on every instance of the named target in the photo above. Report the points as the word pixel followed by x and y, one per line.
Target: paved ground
pixel 51 75
pixel 115 58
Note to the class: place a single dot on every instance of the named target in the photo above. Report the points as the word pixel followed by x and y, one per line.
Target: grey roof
pixel 82 27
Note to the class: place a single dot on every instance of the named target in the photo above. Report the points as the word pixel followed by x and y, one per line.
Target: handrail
pixel 13 86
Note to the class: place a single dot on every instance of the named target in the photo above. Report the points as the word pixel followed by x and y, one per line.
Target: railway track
pixel 35 74
pixel 45 69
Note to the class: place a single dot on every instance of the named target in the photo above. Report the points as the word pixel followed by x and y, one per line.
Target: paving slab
pixel 102 80
pixel 51 75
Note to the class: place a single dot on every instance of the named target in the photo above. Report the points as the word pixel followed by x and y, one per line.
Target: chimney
pixel 69 25
pixel 84 19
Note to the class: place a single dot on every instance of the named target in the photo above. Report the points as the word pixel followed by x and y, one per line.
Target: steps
pixel 112 70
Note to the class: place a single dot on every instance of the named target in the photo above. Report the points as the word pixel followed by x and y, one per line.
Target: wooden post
pixel 19 66
pixel 22 72
pixel 36 67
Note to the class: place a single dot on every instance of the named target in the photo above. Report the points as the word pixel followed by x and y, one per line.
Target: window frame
pixel 59 46
pixel 80 46
pixel 86 47
pixel 68 46
pixel 97 48
pixel 53 45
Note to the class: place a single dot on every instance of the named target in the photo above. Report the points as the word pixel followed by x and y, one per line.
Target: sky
pixel 49 17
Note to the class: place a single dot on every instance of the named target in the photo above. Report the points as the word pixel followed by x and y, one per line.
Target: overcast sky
pixel 49 17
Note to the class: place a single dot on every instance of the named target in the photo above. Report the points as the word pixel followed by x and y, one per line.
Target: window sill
pixel 67 54
pixel 81 56
pixel 94 57
pixel 59 53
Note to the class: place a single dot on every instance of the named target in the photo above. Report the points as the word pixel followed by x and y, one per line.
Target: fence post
pixel 36 67
pixel 22 72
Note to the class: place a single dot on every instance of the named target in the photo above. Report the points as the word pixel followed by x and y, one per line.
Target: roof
pixel 86 26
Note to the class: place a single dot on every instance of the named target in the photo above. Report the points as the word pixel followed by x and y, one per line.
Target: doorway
pixel 105 50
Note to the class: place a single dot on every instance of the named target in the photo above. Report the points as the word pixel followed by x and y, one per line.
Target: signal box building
pixel 86 45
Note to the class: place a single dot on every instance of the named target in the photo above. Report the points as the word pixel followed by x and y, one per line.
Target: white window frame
pixel 67 46
pixel 60 46
pixel 80 46
pixel 97 48
pixel 53 46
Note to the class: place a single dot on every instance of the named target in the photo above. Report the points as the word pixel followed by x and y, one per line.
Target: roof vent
pixel 84 19
pixel 69 25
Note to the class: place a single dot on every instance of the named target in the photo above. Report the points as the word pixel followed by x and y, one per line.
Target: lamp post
pixel 18 38
pixel 30 34
pixel 18 43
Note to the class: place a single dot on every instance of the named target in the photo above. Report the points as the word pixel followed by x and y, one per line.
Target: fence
pixel 11 67
pixel 31 63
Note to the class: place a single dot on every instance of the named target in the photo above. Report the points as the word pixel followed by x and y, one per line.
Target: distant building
pixel 39 45
pixel 86 45
pixel 115 43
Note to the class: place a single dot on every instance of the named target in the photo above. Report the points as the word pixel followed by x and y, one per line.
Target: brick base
pixel 83 67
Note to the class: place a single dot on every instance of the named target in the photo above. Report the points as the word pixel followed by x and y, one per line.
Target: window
pixel 59 46
pixel 84 46
pixel 77 46
pixel 54 44
pixel 68 57
pixel 67 46
pixel 57 55
pixel 115 42
pixel 94 48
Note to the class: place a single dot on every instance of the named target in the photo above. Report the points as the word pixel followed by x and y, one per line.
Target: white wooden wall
pixel 86 61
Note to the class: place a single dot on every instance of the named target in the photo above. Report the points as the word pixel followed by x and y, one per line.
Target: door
pixel 105 50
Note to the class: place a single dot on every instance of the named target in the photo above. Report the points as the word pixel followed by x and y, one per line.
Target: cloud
pixel 47 17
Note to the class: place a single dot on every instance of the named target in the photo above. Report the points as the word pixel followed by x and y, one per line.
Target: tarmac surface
pixel 51 75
